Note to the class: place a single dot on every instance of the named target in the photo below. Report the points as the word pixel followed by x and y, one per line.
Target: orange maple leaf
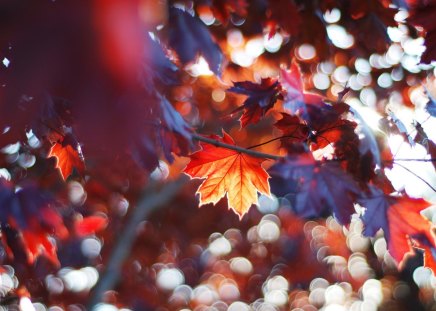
pixel 67 156
pixel 238 175
pixel 405 221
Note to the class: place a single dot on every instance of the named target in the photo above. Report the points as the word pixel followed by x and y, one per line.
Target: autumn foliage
pixel 312 119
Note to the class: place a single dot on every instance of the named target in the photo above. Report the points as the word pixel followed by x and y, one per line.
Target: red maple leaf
pixel 68 156
pixel 339 133
pixel 228 172
pixel 401 220
pixel 261 98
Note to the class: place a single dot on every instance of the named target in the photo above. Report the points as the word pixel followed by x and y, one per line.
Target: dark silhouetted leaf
pixel 315 188
pixel 190 38
pixel 261 98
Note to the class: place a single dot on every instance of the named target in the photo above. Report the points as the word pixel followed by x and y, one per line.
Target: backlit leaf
pixel 228 172
pixel 261 98
pixel 401 220
pixel 68 156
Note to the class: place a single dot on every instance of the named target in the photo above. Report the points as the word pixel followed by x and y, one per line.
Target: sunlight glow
pixel 273 45
pixel 26 304
pixel 401 178
pixel 169 278
pixel 200 68
pixel 339 36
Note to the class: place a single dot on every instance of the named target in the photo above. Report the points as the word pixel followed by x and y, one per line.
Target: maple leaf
pixel 294 131
pixel 296 98
pixel 30 212
pixel 157 66
pixel 68 156
pixel 315 188
pixel 228 172
pixel 261 98
pixel 400 219
pixel 175 135
pixel 339 133
pixel 189 37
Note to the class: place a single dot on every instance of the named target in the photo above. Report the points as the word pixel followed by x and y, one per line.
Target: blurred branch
pixel 154 197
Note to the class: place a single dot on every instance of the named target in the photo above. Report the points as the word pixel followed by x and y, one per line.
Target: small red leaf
pixel 89 225
pixel 68 156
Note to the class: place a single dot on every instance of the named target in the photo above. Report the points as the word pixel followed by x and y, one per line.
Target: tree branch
pixel 152 199
pixel 410 160
pixel 257 154
pixel 236 148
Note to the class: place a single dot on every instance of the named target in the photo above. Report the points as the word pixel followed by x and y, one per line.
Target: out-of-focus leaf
pixel 222 9
pixel 90 225
pixel 190 38
pixel 431 107
pixel 31 212
pixel 296 98
pixel 284 14
pixel 175 133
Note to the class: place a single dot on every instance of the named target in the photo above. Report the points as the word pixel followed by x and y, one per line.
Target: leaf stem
pixel 276 157
pixel 410 160
pixel 271 140
pixel 417 176
pixel 236 148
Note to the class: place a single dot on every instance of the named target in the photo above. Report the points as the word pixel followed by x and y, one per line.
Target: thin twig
pixel 411 160
pixel 276 157
pixel 417 176
pixel 152 199
pixel 236 148
pixel 271 140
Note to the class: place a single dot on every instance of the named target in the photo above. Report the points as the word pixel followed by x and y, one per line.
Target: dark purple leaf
pixel 315 188
pixel 190 38
pixel 261 98
pixel 431 107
